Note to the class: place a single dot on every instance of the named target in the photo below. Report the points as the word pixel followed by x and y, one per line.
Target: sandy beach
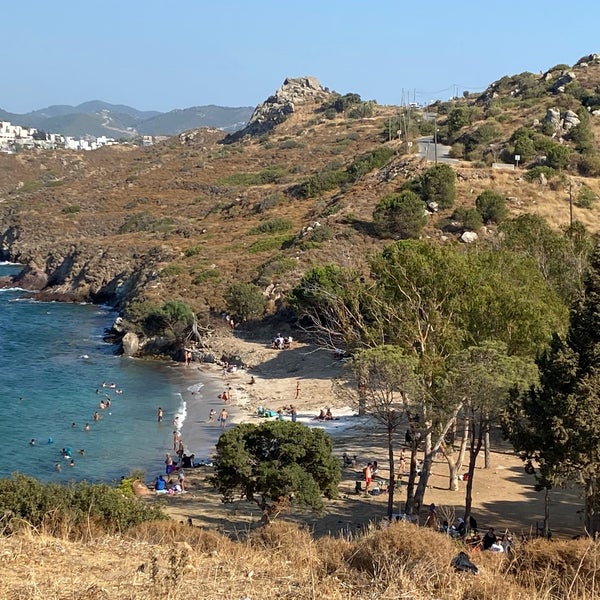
pixel 504 496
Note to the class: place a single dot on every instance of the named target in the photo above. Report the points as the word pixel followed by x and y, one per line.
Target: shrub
pixel 272 226
pixel 172 270
pixel 368 162
pixel 246 300
pixel 491 206
pixel 436 184
pixel 193 251
pixel 558 156
pixel 589 166
pixel 71 210
pixel 206 275
pixel 57 508
pixel 400 215
pixel 275 242
pixel 586 198
pixel 469 217
pixel 534 173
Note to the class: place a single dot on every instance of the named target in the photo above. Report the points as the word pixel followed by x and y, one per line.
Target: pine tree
pixel 556 425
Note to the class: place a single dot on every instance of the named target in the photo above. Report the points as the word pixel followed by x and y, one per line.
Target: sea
pixel 55 369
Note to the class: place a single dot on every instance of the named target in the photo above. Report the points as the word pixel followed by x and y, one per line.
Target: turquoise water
pixel 53 363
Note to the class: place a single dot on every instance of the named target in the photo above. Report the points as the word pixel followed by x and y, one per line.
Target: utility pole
pixel 570 203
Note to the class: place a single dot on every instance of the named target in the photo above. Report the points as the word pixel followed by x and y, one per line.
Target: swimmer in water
pixel 82 452
pixel 57 467
pixel 32 442
pixel 96 416
pixel 87 427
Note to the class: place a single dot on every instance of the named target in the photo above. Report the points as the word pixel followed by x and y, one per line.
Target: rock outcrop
pixel 278 107
pixel 561 123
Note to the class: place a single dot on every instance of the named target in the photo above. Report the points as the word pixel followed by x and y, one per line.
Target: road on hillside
pixel 427 150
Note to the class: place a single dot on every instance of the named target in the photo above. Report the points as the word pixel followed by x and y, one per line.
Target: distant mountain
pixel 96 118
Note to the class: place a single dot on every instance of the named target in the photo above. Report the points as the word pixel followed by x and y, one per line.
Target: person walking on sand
pixel 223 418
pixel 297 390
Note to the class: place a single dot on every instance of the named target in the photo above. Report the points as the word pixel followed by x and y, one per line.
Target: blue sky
pixel 159 55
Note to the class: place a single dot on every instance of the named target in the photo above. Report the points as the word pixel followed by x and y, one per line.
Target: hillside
pixel 97 118
pixel 186 218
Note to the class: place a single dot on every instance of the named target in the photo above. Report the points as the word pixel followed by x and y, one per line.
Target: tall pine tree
pixel 556 425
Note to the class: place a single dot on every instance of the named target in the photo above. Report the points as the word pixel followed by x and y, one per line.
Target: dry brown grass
pixel 283 561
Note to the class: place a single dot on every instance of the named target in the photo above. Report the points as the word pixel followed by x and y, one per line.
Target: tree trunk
pixel 487 463
pixel 546 513
pixel 430 452
pixel 475 447
pixel 392 479
pixel 455 464
pixel 412 475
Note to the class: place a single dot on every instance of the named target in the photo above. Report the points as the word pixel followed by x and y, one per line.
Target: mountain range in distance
pixel 97 118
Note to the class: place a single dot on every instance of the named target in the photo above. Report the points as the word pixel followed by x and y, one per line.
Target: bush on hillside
pixel 56 509
pixel 246 301
pixel 400 216
pixel 491 206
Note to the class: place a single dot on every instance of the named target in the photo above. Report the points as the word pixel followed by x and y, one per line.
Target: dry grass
pixel 283 561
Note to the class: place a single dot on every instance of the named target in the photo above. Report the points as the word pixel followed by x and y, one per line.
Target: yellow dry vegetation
pixel 173 561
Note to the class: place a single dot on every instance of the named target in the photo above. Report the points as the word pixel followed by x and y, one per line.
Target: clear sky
pixel 162 55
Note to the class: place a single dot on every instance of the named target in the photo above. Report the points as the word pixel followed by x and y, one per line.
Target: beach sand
pixel 503 496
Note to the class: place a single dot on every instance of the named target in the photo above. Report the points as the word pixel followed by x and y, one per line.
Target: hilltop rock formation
pixel 561 123
pixel 278 107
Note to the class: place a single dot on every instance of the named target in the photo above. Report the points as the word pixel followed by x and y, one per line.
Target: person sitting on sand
pixel 160 484
pixel 252 380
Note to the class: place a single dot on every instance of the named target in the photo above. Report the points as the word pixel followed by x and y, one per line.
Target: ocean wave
pixel 181 414
pixel 7 263
pixel 13 289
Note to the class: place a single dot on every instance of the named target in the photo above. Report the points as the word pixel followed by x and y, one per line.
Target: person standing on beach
pixel 294 413
pixel 297 390
pixel 175 440
pixel 223 418
pixel 159 414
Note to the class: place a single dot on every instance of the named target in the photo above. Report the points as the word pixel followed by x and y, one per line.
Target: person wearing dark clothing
pixel 489 539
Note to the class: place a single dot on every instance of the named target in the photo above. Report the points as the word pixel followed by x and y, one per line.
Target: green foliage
pixel 328 179
pixel 268 202
pixel 556 426
pixel 558 156
pixel 481 137
pixel 56 508
pixel 275 463
pixel 206 275
pixel 332 176
pixel 561 258
pixel 193 250
pixel 364 110
pixel 368 162
pixel 491 206
pixel 534 173
pixel 246 300
pixel 400 215
pixel 458 118
pixel 274 242
pixel 71 210
pixel 272 174
pixel 341 103
pixel 586 197
pixel 469 217
pixel 173 270
pixel 272 226
pixel 290 144
pixel 144 221
pixel 436 184
pixel 589 166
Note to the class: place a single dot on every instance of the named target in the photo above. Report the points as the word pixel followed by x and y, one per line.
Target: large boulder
pixel 131 344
